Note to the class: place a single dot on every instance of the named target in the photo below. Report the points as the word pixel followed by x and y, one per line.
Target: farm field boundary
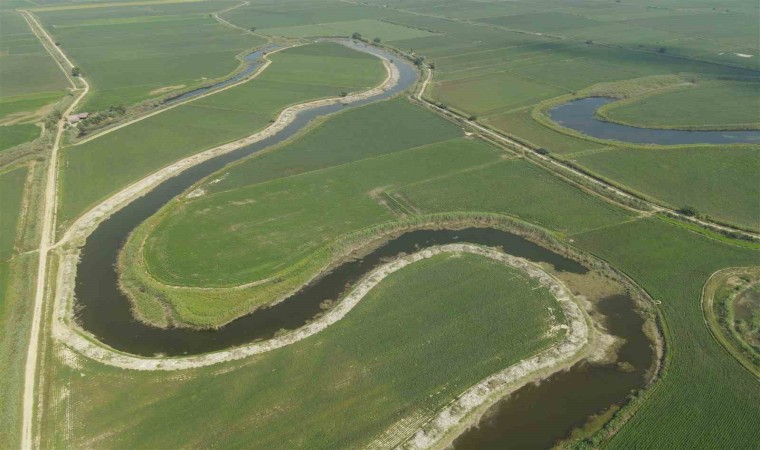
pixel 615 193
pixel 725 337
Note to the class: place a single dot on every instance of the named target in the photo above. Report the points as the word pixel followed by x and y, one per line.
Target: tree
pixel 431 66
pixel 343 93
pixel 662 50
pixel 688 210
pixel 542 151
pixel 472 118
pixel 76 71
pixel 356 35
pixel 253 29
pixel 376 40
pixel 589 42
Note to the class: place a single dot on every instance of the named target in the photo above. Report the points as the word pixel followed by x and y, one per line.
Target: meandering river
pixel 572 396
pixel 580 115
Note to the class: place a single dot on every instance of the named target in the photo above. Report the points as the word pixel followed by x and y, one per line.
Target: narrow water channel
pixel 105 312
pixel 253 62
pixel 580 115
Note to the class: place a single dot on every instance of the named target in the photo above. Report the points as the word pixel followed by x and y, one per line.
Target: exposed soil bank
pixel 106 312
pixel 537 416
pixel 580 115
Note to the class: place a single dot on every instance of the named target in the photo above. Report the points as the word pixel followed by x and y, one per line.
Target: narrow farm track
pixel 562 169
pixel 99 213
pixel 46 236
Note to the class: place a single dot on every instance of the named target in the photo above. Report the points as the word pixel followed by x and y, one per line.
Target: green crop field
pixel 424 335
pixel 274 211
pixel 25 66
pixel 721 182
pixel 30 81
pixel 341 140
pixel 11 193
pixel 263 227
pixel 721 104
pixel 14 310
pixel 324 70
pixel 286 219
pixel 12 135
pixel 702 381
pixel 129 54
pixel 516 188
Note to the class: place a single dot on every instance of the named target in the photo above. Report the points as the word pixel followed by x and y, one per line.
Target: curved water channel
pixel 253 62
pixel 105 312
pixel 580 115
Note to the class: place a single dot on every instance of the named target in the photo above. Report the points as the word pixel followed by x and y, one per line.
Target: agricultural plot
pixel 342 140
pixel 494 93
pixel 30 81
pixel 289 204
pixel 286 219
pixel 521 125
pixel 702 381
pixel 393 361
pixel 12 135
pixel 132 53
pixel 14 309
pixel 323 70
pixel 720 182
pixel 708 104
pixel 11 194
pixel 369 28
pixel 516 188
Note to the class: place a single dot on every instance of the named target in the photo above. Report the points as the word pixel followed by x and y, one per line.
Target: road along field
pixel 717 181
pixel 495 62
pixel 132 53
pixel 31 81
pixel 152 143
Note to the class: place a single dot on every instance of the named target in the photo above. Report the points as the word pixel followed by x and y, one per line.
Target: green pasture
pixel 424 335
pixel 26 107
pixel 493 93
pixel 342 140
pixel 11 195
pixel 148 145
pixel 718 181
pixel 719 104
pixel 26 68
pixel 291 15
pixel 702 381
pixel 126 55
pixel 368 28
pixel 12 135
pixel 519 189
pixel 287 219
pixel 521 125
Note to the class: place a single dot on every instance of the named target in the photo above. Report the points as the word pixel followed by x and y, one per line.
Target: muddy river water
pixel 535 416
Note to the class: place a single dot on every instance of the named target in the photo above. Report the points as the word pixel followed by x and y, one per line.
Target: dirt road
pixel 562 169
pixel 46 235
